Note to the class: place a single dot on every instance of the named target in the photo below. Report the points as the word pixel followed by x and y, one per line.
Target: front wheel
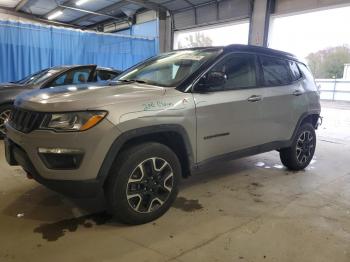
pixel 5 112
pixel 143 183
pixel 302 150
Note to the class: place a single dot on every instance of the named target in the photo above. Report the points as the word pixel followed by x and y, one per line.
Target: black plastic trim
pixel 242 153
pixel 139 132
pixel 47 159
pixel 72 188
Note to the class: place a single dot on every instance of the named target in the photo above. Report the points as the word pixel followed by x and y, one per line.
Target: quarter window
pixel 296 75
pixel 239 70
pixel 275 71
pixel 308 75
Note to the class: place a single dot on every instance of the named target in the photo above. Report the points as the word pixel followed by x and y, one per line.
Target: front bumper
pixel 15 155
pixel 23 149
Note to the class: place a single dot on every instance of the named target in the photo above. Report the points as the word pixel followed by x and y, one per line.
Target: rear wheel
pixel 5 112
pixel 143 183
pixel 302 150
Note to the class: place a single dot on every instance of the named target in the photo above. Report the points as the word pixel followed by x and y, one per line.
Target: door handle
pixel 297 92
pixel 254 98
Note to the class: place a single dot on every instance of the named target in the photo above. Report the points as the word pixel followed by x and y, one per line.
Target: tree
pixel 329 63
pixel 196 40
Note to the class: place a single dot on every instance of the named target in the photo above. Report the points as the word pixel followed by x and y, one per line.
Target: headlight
pixel 73 121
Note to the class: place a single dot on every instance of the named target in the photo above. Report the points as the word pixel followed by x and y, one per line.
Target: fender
pixel 300 121
pixel 139 132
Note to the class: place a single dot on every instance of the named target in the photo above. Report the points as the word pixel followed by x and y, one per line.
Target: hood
pixel 9 86
pixel 84 97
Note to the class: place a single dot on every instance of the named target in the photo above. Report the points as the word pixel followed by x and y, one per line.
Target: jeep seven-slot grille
pixel 25 121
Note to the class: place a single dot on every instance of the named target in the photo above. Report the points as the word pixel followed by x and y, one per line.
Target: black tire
pixel 3 109
pixel 299 155
pixel 127 168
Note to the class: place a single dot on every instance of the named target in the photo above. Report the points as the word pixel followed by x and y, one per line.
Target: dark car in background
pixel 51 77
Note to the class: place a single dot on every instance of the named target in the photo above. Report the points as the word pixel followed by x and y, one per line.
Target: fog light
pixel 61 158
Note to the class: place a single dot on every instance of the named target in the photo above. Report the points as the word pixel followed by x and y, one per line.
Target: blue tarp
pixel 27 48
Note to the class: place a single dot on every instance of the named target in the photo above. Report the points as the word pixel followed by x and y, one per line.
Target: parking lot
pixel 251 209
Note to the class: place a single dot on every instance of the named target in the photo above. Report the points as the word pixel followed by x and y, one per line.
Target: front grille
pixel 25 121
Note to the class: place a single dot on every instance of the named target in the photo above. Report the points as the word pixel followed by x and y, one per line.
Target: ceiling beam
pixel 11 11
pixel 20 5
pixel 87 11
pixel 195 6
pixel 104 10
pixel 148 5
pixel 107 22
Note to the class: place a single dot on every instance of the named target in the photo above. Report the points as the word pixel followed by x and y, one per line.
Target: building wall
pixel 292 6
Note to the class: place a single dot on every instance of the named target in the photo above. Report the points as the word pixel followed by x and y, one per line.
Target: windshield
pixel 170 69
pixel 38 77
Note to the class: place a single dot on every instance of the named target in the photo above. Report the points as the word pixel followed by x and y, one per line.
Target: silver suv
pixel 162 120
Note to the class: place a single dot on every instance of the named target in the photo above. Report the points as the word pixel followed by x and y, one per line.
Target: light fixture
pixel 81 2
pixel 55 15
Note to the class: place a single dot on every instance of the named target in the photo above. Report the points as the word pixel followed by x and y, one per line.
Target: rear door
pixel 283 101
pixel 229 117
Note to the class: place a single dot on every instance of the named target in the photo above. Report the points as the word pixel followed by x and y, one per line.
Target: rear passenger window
pixel 275 71
pixel 296 75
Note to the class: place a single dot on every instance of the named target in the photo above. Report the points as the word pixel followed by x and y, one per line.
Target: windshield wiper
pixel 132 81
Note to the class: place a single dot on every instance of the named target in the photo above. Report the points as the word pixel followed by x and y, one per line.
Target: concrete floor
pixel 251 209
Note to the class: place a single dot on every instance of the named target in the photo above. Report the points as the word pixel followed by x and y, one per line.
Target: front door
pixel 229 115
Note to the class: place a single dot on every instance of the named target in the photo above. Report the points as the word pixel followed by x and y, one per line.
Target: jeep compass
pixel 162 120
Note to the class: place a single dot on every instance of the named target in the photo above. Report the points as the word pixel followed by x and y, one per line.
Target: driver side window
pixel 239 71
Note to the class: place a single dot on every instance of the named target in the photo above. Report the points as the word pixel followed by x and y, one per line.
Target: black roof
pixel 250 48
pixel 259 49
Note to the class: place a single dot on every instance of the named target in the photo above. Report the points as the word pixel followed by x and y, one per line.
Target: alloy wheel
pixel 4 116
pixel 305 147
pixel 149 185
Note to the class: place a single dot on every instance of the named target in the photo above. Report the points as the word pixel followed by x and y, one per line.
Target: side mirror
pixel 214 78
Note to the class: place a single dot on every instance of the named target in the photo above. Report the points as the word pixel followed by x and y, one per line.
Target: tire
pixel 4 111
pixel 301 152
pixel 134 198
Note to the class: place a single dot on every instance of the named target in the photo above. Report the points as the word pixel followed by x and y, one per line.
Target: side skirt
pixel 240 154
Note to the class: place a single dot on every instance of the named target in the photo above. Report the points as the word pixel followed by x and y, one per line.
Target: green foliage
pixel 196 40
pixel 329 63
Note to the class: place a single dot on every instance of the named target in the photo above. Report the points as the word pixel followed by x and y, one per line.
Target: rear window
pixel 275 71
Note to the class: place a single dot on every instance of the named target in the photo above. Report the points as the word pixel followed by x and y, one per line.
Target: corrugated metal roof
pixel 117 8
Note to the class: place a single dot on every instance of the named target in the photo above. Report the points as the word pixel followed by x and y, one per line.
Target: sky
pixel 299 34
pixel 310 32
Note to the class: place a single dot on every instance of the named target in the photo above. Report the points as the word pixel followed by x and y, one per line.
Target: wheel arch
pixel 173 136
pixel 308 117
pixel 6 103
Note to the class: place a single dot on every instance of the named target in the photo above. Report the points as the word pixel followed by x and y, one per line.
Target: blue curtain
pixel 27 48
pixel 149 28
